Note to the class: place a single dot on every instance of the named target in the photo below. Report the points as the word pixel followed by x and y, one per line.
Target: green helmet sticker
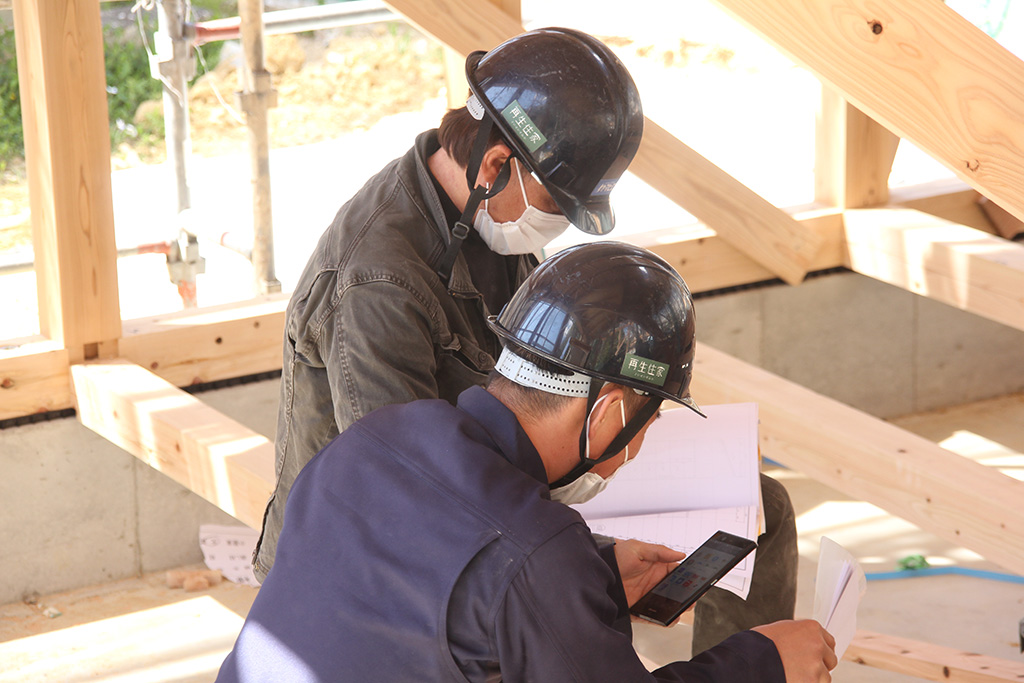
pixel 523 126
pixel 644 369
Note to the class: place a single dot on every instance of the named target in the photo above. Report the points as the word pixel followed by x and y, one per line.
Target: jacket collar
pixel 426 144
pixel 508 436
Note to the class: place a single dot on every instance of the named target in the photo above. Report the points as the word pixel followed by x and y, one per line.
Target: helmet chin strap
pixel 477 193
pixel 631 429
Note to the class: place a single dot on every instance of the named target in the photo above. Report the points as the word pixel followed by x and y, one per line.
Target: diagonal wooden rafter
pixel 868 459
pixel 921 70
pixel 966 268
pixel 216 457
pixel 752 225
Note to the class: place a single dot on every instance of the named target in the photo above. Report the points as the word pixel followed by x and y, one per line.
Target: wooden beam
pixel 871 460
pixel 960 266
pixel 749 223
pixel 952 199
pixel 67 152
pixel 853 155
pixel 708 262
pixel 216 343
pixel 34 379
pixel 930 662
pixel 183 347
pixel 918 68
pixel 224 462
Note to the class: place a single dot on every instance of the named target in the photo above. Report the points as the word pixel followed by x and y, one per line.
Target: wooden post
pixel 255 99
pixel 853 155
pixel 67 152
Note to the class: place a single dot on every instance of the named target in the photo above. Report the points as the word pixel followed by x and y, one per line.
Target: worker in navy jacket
pixel 425 543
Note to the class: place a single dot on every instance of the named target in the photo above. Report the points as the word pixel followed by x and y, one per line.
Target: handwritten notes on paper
pixel 229 549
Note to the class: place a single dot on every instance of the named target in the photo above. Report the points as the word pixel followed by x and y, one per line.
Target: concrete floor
pixel 140 630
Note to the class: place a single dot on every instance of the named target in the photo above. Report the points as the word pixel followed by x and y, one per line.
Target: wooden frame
pixel 963 104
pixel 63 95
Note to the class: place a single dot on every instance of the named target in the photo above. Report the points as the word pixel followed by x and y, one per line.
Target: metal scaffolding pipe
pixel 295 20
pixel 255 99
pixel 173 65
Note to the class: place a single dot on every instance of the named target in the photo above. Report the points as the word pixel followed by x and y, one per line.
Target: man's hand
pixel 807 650
pixel 643 565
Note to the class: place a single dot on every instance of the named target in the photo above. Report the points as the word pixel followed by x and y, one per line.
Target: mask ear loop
pixel 631 429
pixel 622 409
pixel 522 187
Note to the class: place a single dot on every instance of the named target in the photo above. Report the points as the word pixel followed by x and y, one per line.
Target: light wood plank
pixel 951 199
pixel 871 460
pixel 67 149
pixel 221 460
pixel 853 155
pixel 960 266
pixel 929 662
pixel 918 68
pixel 708 262
pixel 34 379
pixel 749 223
pixel 456 87
pixel 216 343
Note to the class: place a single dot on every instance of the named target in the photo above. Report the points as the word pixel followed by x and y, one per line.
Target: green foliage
pixel 12 142
pixel 129 84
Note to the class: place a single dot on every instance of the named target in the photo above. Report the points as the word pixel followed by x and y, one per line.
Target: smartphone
pixel 692 578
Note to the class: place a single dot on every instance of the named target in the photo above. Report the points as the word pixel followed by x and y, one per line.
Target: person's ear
pixel 606 412
pixel 494 158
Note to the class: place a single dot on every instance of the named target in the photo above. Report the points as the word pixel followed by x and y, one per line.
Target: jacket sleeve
pixel 378 349
pixel 558 623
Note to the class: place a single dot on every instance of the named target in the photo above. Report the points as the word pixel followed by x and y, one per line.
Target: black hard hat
pixel 571 112
pixel 608 310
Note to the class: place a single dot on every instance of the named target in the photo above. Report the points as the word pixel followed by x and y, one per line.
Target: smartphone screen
pixel 692 578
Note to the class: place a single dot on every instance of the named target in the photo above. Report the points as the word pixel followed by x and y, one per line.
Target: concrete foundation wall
pixel 868 344
pixel 79 511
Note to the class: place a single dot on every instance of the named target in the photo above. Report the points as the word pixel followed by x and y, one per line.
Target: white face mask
pixel 591 483
pixel 531 232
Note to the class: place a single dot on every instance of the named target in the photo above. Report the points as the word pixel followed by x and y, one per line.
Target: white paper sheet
pixel 687 463
pixel 686 530
pixel 691 478
pixel 229 549
pixel 838 588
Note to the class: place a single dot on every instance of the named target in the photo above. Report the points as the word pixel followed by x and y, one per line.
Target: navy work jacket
pixel 421 545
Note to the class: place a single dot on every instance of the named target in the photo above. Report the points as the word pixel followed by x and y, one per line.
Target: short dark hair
pixel 457 133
